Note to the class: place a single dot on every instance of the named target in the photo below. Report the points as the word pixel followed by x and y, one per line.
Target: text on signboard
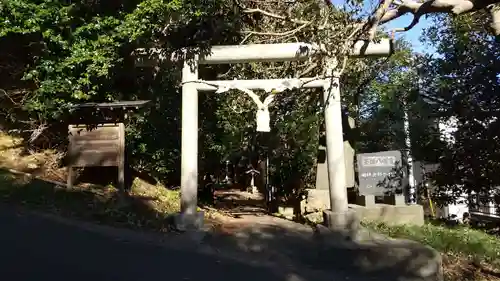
pixel 379 161
pixel 377 174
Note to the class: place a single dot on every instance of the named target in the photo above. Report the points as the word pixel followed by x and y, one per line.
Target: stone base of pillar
pixel 254 190
pixel 347 221
pixel 189 222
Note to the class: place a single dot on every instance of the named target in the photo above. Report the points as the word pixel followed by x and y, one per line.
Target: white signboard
pixel 380 173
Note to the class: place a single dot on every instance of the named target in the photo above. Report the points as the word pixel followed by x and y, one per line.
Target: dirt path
pixel 240 211
pixel 236 203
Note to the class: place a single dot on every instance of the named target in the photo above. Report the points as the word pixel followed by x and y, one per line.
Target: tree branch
pixel 269 14
pixel 456 7
pixel 286 33
pixel 372 24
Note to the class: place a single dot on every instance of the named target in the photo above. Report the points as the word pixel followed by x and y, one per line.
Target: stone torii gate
pixel 339 215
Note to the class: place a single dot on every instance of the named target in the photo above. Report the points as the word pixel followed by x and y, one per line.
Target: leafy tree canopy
pixel 58 53
pixel 464 81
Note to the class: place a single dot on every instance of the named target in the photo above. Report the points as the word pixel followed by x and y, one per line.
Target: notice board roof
pixel 112 105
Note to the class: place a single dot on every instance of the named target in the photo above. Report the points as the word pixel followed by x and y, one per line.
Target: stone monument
pixel 318 198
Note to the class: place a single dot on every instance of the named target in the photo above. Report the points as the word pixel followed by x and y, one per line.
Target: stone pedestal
pixel 391 214
pixel 395 200
pixel 365 200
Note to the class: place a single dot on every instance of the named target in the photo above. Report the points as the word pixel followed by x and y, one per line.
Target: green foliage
pixel 378 98
pixel 84 46
pixel 463 80
pixel 73 52
pixel 81 51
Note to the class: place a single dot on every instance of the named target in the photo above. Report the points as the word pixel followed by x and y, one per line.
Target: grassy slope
pixel 147 206
pixel 468 254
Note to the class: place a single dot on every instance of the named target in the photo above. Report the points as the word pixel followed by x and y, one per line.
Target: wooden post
pixel 121 158
pixel 71 176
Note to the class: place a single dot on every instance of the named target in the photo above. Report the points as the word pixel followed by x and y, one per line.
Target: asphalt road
pixel 34 248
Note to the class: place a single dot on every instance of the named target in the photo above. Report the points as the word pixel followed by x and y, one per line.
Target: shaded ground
pixel 38 249
pixel 241 236
pixel 42 247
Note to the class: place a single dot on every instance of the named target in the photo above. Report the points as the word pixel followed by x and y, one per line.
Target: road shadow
pixel 54 250
pixel 263 247
pixel 328 253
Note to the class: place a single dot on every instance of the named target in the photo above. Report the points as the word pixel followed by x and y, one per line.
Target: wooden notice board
pixel 97 136
pixel 101 146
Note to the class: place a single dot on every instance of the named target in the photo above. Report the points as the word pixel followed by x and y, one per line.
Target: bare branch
pixel 310 68
pixel 4 93
pixel 456 7
pixel 286 33
pixel 347 45
pixel 272 15
pixel 246 38
pixel 37 132
pixel 374 21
